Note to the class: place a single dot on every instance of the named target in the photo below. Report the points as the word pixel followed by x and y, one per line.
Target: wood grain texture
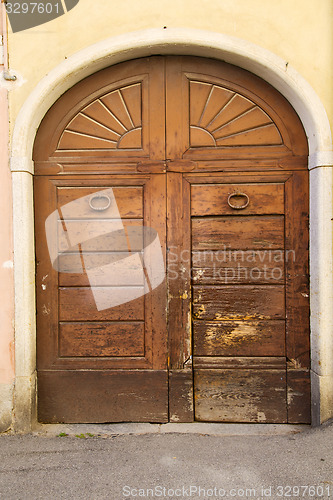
pixel 111 235
pixel 129 201
pixel 238 302
pixel 240 395
pixel 179 270
pixel 239 338
pixel 236 109
pixel 102 396
pixel 108 111
pixel 73 268
pixel 78 304
pixel 297 270
pixel 248 363
pixel 238 267
pixel 238 233
pixel 299 396
pixel 212 199
pixel 112 121
pixel 101 339
pixel 220 117
pixel 181 395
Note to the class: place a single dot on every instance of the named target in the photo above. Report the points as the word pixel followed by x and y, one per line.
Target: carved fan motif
pixel 221 117
pixel 112 121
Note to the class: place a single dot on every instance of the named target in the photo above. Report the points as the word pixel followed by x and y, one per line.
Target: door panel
pixel 217 267
pixel 77 304
pixel 238 233
pixel 242 395
pixel 85 333
pixel 214 199
pixel 179 298
pixel 238 302
pixel 105 395
pixel 240 299
pixel 122 194
pixel 117 113
pixel 110 339
pixel 198 165
pixel 227 114
pixel 239 338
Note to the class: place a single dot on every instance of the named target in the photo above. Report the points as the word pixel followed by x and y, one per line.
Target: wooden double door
pixel 171 207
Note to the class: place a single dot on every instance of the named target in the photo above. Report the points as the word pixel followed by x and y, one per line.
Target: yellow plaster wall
pixel 6 254
pixel 299 31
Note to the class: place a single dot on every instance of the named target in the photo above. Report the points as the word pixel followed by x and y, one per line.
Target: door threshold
pixel 203 428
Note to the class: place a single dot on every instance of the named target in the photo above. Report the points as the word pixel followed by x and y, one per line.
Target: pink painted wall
pixel 6 245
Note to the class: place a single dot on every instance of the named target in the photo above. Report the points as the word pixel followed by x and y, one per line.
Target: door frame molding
pixel 175 41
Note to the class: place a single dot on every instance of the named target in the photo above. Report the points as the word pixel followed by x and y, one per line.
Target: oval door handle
pixel 105 206
pixel 238 194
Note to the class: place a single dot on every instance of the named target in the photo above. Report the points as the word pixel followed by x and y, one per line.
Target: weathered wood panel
pixel 239 338
pixel 299 396
pixel 109 85
pixel 238 302
pixel 249 363
pixel 240 395
pixel 109 269
pixel 212 199
pixel 238 233
pixel 101 339
pixel 238 266
pixel 129 200
pixel 181 395
pixel 102 396
pixel 113 235
pixel 78 304
pixel 179 270
pixel 220 108
pixel 297 270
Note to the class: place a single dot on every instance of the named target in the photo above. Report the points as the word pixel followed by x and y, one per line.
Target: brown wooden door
pixel 208 163
pixel 245 326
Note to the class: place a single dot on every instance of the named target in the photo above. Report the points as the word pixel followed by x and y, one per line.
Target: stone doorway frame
pixel 175 41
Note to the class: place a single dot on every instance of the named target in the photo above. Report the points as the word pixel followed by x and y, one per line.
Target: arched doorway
pixel 214 160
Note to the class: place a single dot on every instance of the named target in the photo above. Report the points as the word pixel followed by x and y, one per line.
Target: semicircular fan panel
pixel 113 121
pixel 220 117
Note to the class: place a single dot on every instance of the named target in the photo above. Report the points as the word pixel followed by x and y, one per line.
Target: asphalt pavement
pixel 98 462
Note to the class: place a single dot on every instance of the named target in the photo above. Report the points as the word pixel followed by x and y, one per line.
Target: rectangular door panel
pixel 242 395
pixel 217 267
pixel 101 298
pixel 115 235
pixel 128 270
pixel 238 298
pixel 238 302
pixel 132 210
pixel 79 304
pixel 102 396
pixel 239 338
pixel 214 199
pixel 238 233
pixel 101 339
